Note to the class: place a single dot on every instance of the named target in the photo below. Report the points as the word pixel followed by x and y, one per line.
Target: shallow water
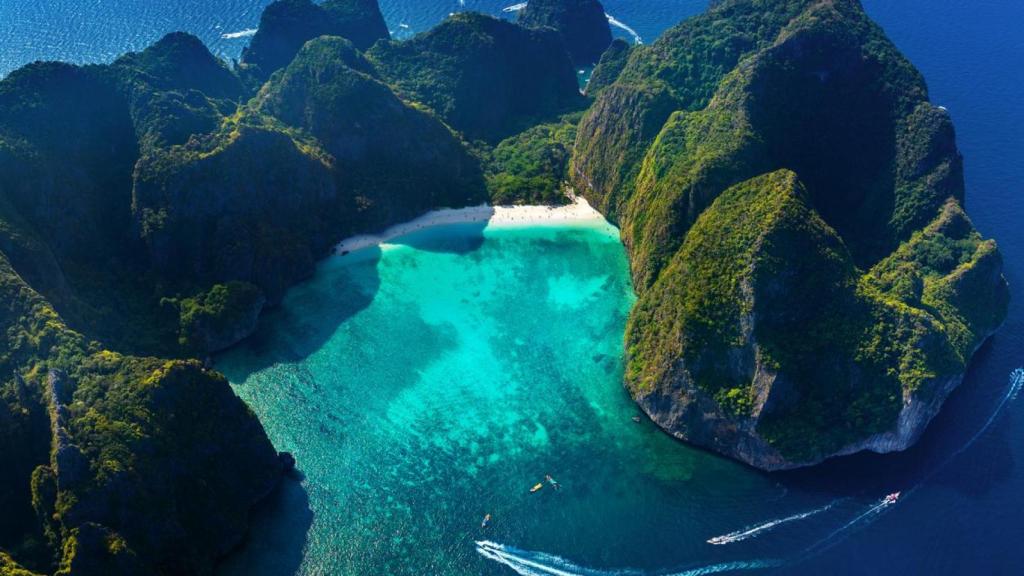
pixel 468 364
pixel 365 373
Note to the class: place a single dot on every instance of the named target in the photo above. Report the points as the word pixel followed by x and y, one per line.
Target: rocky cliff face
pixel 581 23
pixel 775 167
pixel 149 208
pixel 486 77
pixel 129 465
pixel 324 150
pixel 777 327
pixel 288 24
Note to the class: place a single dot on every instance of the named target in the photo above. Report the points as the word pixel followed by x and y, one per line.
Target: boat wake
pixel 833 538
pixel 1016 383
pixel 539 563
pixel 1012 391
pixel 754 531
pixel 529 563
pixel 241 34
pixel 622 26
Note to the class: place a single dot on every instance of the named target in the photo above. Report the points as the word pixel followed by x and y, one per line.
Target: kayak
pixel 537 487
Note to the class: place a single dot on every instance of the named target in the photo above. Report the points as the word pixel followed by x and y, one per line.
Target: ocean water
pixel 97 31
pixel 433 382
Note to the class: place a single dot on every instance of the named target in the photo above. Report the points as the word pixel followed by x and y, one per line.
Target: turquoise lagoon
pixel 426 384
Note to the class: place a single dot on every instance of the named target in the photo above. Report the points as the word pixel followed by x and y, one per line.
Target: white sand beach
pixel 579 210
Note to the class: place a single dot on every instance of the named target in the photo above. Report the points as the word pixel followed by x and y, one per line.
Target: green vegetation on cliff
pixel 790 200
pixel 809 320
pixel 288 24
pixel 531 167
pixel 608 68
pixel 486 77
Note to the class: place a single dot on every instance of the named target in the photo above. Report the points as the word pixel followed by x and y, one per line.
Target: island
pixel 809 284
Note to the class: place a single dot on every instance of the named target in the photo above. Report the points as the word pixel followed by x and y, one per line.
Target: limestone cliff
pixel 581 23
pixel 787 318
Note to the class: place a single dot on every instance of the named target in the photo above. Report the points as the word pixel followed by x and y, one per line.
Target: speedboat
pixel 891 498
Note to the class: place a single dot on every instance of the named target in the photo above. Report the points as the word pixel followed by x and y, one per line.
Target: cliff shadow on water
pixel 280 528
pixel 309 314
pixel 971 412
pixel 342 287
pixel 458 239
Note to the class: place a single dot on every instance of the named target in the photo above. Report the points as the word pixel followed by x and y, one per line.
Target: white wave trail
pixel 1016 382
pixel 739 566
pixel 242 34
pixel 1012 391
pixel 622 25
pixel 514 7
pixel 528 563
pixel 744 534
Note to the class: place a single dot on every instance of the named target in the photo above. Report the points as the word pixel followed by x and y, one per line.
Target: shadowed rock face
pixel 288 24
pixel 814 311
pixel 582 24
pixel 486 77
pixel 158 210
pixel 808 282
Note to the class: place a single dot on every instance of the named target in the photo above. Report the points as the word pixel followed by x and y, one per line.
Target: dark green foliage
pixel 219 317
pixel 168 446
pixel 582 24
pixel 288 24
pixel 486 77
pixel 162 447
pixel 176 88
pixel 680 71
pixel 609 67
pixel 531 167
pixel 324 150
pixel 69 158
pixel 725 266
pixel 180 62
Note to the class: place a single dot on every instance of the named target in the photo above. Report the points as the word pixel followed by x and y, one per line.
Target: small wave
pixel 514 7
pixel 746 533
pixel 622 25
pixel 241 34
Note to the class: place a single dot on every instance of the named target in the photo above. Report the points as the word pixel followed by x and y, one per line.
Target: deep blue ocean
pixel 649 513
